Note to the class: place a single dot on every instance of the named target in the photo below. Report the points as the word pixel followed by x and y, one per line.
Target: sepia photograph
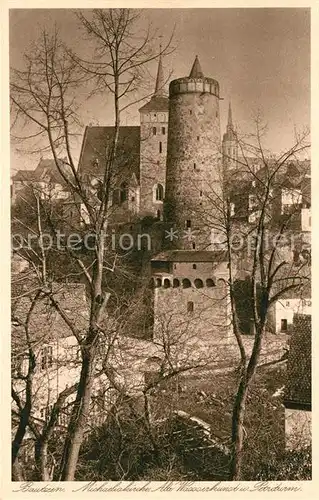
pixel 160 187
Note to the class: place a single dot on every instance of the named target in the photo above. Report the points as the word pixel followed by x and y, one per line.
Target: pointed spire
pixel 230 117
pixel 196 71
pixel 159 86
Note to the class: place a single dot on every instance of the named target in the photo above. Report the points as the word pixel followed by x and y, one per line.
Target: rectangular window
pixel 194 246
pixel 188 224
pixel 194 266
pixel 284 325
pixel 154 130
pixel 46 357
pixel 190 307
pixel 160 147
pixel 163 130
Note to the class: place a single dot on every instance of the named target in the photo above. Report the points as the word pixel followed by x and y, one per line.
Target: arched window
pixel 176 283
pixel 198 283
pixel 167 283
pixel 210 282
pixel 124 191
pixel 158 282
pixel 159 192
pixel 186 283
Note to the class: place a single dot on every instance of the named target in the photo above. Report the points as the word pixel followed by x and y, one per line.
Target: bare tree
pixel 257 239
pixel 43 97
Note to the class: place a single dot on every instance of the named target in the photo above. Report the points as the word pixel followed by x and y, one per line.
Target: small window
pixel 194 166
pixel 155 115
pixel 133 198
pixel 176 283
pixel 201 193
pixel 154 130
pixel 198 283
pixel 194 246
pixel 210 283
pixel 123 192
pixel 188 224
pixel 190 112
pixel 160 147
pixel 159 192
pixel 198 137
pixel 190 307
pixel 284 325
pixel 167 283
pixel 186 283
pixel 158 214
pixel 194 266
pixel 163 130
pixel 46 357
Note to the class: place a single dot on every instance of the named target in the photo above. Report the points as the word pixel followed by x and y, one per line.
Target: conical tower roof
pixel 158 101
pixel 160 82
pixel 196 71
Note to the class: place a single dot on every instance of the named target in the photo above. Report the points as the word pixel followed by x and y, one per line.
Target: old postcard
pixel 160 250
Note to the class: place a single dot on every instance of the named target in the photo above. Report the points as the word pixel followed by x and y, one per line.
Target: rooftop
pixel 191 256
pixel 96 140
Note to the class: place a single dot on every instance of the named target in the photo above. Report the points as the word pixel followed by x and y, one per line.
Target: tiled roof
pixel 157 103
pixel 96 140
pixel 298 387
pixel 191 256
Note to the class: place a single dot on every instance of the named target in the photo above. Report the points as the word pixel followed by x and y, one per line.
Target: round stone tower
pixel 193 169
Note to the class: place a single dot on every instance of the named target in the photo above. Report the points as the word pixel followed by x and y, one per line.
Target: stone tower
pixel 154 122
pixel 230 144
pixel 193 171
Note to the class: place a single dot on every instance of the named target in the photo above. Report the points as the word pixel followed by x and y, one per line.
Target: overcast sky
pixel 261 58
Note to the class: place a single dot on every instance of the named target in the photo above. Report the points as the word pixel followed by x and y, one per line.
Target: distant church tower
pixel 193 174
pixel 230 144
pixel 154 122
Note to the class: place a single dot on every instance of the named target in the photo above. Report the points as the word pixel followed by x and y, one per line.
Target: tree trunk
pixel 238 430
pixel 18 438
pixel 77 425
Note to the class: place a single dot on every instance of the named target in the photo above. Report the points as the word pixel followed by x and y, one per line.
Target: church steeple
pixel 196 71
pixel 230 118
pixel 160 82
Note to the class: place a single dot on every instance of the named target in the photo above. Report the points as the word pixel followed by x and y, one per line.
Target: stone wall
pixel 193 175
pixel 152 160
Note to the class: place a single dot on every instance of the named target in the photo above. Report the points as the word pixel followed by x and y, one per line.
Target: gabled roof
pixel 96 142
pixel 46 170
pixel 298 387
